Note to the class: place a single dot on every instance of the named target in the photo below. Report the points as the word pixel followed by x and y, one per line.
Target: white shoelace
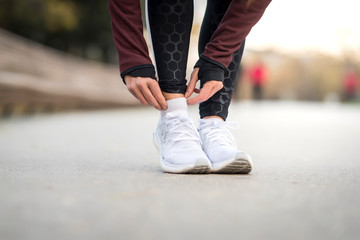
pixel 180 128
pixel 216 131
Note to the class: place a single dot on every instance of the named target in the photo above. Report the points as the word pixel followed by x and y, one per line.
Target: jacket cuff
pixel 145 70
pixel 209 70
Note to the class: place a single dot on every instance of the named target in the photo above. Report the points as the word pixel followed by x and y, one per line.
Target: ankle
pixel 214 117
pixel 169 96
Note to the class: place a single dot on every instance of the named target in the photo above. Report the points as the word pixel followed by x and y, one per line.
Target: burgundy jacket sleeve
pixel 128 38
pixel 236 24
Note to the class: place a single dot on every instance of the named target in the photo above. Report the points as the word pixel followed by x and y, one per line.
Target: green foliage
pixel 60 16
pixel 81 27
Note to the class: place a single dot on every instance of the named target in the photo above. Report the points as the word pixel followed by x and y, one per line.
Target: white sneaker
pixel 178 142
pixel 220 147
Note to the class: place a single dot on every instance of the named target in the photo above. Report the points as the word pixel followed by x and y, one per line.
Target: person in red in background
pixel 257 75
pixel 350 85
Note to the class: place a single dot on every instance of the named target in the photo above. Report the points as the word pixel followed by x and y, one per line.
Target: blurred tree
pixel 81 27
pixel 60 16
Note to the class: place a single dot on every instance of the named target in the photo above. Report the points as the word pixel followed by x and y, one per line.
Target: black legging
pixel 170 26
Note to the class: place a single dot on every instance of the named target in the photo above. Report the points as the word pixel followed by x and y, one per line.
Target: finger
pixel 192 82
pixel 131 87
pixel 156 92
pixel 203 95
pixel 132 92
pixel 140 96
pixel 149 97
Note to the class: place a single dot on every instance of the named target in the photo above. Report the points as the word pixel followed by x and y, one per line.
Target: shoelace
pixel 179 128
pixel 216 131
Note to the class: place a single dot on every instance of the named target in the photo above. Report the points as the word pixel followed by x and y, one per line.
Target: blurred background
pixel 95 174
pixel 58 55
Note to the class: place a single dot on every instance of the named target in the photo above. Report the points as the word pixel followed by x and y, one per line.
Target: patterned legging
pixel 170 23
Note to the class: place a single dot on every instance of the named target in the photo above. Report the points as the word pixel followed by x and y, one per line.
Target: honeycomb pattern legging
pixel 170 23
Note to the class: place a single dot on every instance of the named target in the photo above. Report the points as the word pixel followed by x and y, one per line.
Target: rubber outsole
pixel 200 167
pixel 242 164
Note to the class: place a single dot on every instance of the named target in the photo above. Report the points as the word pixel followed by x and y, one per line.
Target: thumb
pixel 192 82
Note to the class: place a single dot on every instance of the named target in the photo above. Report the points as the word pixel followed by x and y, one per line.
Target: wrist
pixel 209 70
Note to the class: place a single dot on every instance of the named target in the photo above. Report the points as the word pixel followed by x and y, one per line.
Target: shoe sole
pixel 242 164
pixel 201 166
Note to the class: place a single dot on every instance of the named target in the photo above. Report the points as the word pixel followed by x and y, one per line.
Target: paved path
pixel 96 176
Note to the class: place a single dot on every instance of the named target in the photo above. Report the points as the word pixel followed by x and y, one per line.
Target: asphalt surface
pixel 96 175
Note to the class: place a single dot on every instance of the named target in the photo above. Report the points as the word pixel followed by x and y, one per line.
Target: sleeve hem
pixel 209 71
pixel 144 70
pixel 213 61
pixel 211 75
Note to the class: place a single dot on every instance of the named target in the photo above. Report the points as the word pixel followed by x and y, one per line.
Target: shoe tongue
pixel 210 121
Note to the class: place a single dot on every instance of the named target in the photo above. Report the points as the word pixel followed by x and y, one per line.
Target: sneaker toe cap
pixel 223 154
pixel 185 158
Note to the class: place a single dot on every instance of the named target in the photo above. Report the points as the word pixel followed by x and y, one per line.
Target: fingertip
pixel 163 105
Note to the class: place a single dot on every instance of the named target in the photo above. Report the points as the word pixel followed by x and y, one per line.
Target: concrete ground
pixel 96 175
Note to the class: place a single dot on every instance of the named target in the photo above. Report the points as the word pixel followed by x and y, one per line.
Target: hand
pixel 209 89
pixel 147 91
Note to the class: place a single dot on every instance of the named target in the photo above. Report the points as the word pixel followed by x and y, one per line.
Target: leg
pixel 218 143
pixel 175 136
pixel 218 104
pixel 257 92
pixel 170 24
